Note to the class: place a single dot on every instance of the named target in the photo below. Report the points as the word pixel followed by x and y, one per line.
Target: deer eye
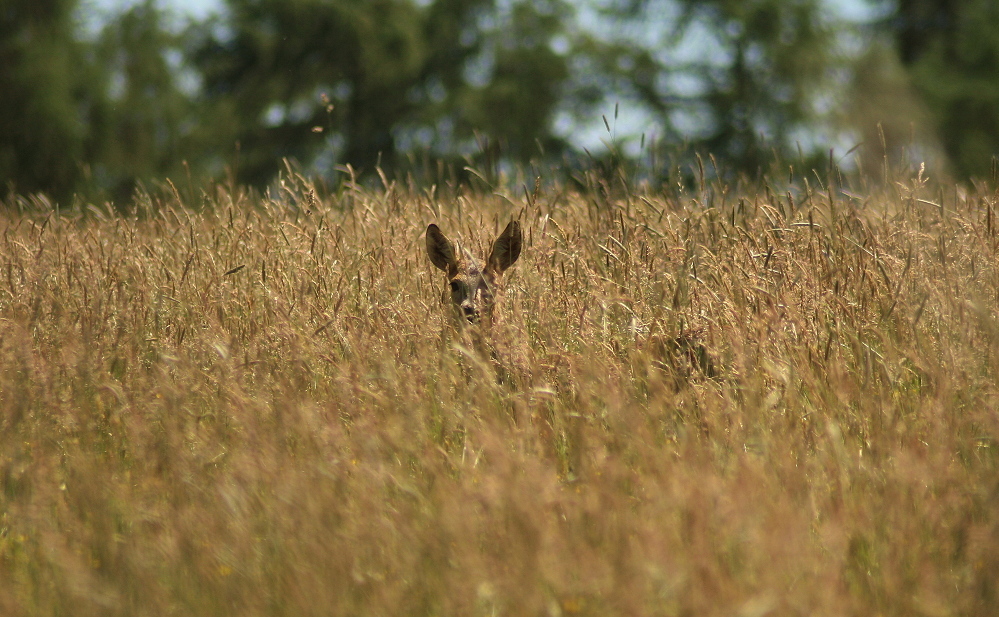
pixel 455 287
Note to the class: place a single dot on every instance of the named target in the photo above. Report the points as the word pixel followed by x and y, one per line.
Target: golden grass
pixel 259 409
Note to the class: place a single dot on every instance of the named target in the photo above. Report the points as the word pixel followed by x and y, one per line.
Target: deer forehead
pixel 470 270
pixel 471 278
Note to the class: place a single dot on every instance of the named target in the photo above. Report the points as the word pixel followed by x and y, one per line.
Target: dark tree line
pixel 44 95
pixel 950 49
pixel 394 84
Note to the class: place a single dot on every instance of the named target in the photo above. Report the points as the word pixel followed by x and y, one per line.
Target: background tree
pixel 144 126
pixel 43 97
pixel 950 51
pixel 265 72
pixel 515 94
pixel 736 78
pixel 397 74
pixel 391 83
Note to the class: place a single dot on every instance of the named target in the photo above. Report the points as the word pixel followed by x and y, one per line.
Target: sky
pixel 849 9
pixel 194 8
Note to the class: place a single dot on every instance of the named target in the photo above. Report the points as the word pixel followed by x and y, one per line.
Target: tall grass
pixel 260 408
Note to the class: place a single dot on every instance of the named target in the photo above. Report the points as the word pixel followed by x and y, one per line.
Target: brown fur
pixel 473 285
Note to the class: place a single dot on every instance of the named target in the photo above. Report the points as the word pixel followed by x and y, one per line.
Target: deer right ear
pixel 441 251
pixel 506 249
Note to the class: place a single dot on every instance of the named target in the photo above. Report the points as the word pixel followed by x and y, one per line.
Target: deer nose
pixel 469 312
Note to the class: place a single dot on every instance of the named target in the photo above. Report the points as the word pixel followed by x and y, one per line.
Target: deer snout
pixel 469 311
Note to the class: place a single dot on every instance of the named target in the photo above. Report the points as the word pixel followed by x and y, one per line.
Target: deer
pixel 472 285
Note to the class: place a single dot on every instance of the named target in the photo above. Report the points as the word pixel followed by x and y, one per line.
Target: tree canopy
pixel 44 97
pixel 951 52
pixel 389 83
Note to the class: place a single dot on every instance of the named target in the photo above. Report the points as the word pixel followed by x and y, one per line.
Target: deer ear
pixel 506 249
pixel 440 250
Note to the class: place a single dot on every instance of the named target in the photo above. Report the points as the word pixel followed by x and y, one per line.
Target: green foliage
pixel 428 87
pixel 95 116
pixel 951 52
pixel 43 97
pixel 737 79
pixel 524 85
pixel 145 127
pixel 268 67
pixel 429 74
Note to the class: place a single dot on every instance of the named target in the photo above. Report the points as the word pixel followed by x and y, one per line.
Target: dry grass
pixel 259 410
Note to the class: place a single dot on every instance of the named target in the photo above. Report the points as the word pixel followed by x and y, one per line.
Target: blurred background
pixel 99 97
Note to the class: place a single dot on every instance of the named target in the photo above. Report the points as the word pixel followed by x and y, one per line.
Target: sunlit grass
pixel 260 408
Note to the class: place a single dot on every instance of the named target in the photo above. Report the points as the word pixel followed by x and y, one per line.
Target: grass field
pixel 721 402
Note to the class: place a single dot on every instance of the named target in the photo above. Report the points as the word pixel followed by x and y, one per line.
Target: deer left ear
pixel 441 250
pixel 507 247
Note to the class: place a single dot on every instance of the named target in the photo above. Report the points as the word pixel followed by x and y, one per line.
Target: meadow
pixel 737 400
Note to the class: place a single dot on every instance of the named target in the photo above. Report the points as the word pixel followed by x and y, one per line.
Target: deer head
pixel 473 284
